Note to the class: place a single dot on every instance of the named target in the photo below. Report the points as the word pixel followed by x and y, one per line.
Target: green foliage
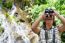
pixel 1 28
pixel 0 1
pixel 10 17
pixel 8 5
pixel 39 2
pixel 42 1
pixel 58 5
pixel 63 36
pixel 55 4
pixel 36 10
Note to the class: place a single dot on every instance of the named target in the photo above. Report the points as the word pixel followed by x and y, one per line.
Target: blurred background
pixel 16 14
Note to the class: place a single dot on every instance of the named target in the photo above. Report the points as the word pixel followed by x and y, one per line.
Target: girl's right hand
pixel 42 16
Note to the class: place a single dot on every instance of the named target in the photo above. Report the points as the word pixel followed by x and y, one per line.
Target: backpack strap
pixel 46 36
pixel 53 35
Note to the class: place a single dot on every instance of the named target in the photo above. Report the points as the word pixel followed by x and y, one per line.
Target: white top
pixel 50 36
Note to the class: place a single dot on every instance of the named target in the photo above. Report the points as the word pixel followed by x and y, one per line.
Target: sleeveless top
pixel 50 32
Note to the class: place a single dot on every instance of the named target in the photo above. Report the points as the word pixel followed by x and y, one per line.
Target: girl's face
pixel 49 21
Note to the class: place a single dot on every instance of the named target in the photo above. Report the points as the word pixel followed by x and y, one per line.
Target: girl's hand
pixel 55 13
pixel 42 16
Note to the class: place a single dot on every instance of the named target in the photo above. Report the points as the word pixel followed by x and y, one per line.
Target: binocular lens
pixel 46 11
pixel 49 11
pixel 49 15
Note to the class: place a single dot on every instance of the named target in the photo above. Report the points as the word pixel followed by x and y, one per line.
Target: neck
pixel 48 27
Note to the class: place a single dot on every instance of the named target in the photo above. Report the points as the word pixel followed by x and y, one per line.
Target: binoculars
pixel 48 12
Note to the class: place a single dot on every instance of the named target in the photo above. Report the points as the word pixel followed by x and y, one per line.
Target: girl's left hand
pixel 55 13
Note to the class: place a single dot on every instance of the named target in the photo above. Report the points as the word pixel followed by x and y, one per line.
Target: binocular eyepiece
pixel 48 12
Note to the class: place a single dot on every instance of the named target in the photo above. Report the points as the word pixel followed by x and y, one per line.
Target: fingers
pixel 43 14
pixel 56 12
